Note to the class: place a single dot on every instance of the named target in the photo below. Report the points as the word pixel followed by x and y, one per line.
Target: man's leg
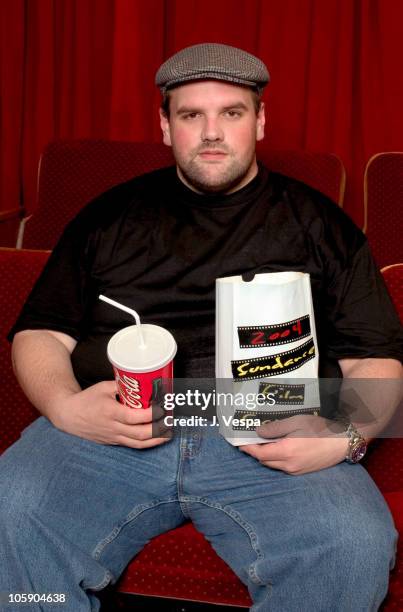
pixel 73 513
pixel 319 542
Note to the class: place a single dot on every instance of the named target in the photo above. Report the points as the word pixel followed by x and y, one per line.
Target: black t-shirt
pixel 156 246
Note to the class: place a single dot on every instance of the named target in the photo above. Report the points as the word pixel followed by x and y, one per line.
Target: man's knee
pixel 368 542
pixel 22 488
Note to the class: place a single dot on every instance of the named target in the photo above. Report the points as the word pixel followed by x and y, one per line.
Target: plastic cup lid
pixel 124 348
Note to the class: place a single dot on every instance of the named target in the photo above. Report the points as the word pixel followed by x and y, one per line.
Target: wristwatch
pixel 357 445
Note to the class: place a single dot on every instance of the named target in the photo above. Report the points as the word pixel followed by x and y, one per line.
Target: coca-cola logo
pixel 129 390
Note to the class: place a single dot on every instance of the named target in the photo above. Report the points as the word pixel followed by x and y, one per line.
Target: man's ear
pixel 261 122
pixel 166 133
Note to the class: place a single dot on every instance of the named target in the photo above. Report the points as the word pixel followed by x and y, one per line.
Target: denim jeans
pixel 74 513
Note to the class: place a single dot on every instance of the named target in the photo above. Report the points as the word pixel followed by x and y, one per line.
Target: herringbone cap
pixel 212 61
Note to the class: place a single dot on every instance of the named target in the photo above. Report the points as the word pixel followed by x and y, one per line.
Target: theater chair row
pixel 73 172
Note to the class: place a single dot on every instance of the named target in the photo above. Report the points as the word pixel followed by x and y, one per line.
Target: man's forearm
pixel 42 364
pixel 371 394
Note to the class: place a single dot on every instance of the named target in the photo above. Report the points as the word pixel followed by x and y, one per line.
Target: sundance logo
pixel 273 365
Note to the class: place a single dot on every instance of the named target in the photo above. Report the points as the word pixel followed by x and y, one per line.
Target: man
pixel 88 485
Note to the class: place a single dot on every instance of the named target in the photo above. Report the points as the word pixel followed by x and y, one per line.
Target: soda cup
pixel 142 369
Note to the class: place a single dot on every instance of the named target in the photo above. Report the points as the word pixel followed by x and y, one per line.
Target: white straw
pixel 130 311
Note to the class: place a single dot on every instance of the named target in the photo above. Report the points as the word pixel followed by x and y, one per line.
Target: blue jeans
pixel 74 513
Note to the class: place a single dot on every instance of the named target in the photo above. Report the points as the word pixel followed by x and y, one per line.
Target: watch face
pixel 358 452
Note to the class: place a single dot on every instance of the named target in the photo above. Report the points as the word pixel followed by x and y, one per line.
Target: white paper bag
pixel 265 345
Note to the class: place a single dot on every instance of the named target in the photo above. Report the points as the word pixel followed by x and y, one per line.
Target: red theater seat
pixel 383 197
pixel 18 272
pixel 393 276
pixel 71 173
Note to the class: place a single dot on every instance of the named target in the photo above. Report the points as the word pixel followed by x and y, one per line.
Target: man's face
pixel 213 128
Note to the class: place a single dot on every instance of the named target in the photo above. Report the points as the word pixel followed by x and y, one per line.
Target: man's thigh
pixel 76 495
pixel 291 533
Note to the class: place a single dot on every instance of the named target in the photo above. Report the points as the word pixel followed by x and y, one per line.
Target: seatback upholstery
pixel 19 270
pixel 393 276
pixel 71 173
pixel 383 207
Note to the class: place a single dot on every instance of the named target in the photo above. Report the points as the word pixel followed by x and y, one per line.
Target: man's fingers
pixel 249 449
pixel 265 452
pixel 275 429
pixel 109 387
pixel 271 459
pixel 142 431
pixel 160 429
pixel 158 411
pixel 136 416
pixel 306 424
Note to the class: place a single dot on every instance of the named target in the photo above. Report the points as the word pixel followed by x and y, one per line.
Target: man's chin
pixel 211 188
pixel 206 183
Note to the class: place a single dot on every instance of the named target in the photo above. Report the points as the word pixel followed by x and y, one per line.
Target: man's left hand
pixel 303 443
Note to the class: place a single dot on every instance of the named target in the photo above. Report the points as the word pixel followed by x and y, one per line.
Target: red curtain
pixel 11 99
pixel 85 68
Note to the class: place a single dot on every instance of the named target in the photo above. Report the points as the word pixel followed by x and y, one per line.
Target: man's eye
pixel 190 115
pixel 232 114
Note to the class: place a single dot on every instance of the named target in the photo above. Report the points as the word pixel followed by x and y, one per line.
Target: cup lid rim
pixel 156 365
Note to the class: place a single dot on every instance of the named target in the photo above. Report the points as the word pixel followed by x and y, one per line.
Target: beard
pixel 209 177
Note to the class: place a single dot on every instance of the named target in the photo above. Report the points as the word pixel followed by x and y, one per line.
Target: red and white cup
pixel 141 369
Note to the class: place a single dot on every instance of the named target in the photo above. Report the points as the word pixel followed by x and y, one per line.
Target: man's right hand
pixel 96 415
pixel 42 364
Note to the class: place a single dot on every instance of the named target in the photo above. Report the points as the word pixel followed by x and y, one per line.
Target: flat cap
pixel 212 61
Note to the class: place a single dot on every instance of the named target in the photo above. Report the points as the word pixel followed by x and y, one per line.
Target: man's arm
pixel 309 443
pixel 42 364
pixel 377 384
pixel 371 368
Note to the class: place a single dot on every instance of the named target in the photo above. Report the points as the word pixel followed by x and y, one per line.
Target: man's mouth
pixel 212 154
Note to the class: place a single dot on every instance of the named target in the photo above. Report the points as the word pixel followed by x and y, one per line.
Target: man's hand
pixel 96 415
pixel 42 364
pixel 303 444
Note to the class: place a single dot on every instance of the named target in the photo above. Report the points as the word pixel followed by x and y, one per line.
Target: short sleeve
pixel 361 316
pixel 58 299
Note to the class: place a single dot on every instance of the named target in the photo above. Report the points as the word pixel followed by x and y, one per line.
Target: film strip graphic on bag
pixel 273 365
pixel 256 336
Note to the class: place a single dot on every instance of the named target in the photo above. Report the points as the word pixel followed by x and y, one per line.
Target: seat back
pixel 71 173
pixel 393 276
pixel 19 270
pixel 322 171
pixel 383 215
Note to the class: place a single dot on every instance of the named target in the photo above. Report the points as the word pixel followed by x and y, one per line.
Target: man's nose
pixel 212 130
